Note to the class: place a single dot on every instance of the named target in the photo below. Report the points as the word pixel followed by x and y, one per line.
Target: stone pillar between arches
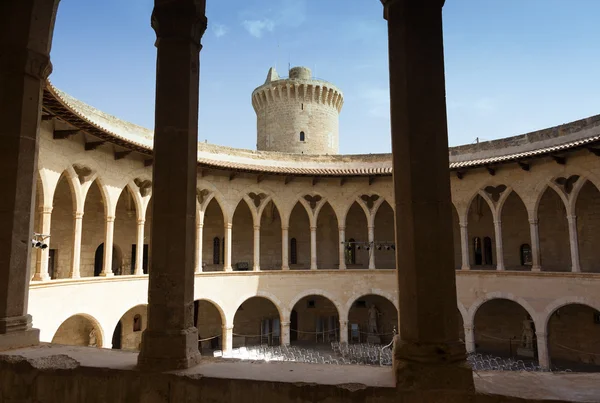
pixel 313 248
pixel 574 243
pixel 108 247
pixel 342 248
pixel 285 243
pixel 499 245
pixel 256 265
pixel 139 250
pixel 535 245
pixel 227 247
pixel 76 256
pixel 464 246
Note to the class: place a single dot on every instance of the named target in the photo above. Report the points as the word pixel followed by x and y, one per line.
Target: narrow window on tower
pixel 301 136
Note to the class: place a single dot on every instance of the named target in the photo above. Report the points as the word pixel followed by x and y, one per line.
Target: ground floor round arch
pixel 79 330
pixel 505 328
pixel 372 319
pixel 314 319
pixel 209 320
pixel 257 321
pixel 127 334
pixel 573 336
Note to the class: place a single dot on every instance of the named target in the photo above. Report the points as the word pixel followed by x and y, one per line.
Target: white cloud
pixel 257 27
pixel 220 30
pixel 286 13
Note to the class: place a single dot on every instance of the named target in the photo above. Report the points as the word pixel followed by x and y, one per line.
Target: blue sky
pixel 512 66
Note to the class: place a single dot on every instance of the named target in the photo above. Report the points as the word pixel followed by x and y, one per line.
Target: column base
pixel 536 268
pixel 465 268
pixel 41 277
pixel 166 351
pixel 20 339
pixel 432 367
pixel 110 274
pixel 285 268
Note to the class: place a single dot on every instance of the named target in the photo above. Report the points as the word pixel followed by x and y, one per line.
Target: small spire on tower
pixel 272 75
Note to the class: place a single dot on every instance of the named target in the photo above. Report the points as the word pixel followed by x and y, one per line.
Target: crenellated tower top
pixel 298 114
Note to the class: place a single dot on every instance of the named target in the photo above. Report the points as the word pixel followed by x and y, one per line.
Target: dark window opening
pixel 350 252
pixel 137 323
pixel 293 251
pixel 216 250
pixel 477 251
pixel 487 251
pixel 51 263
pixel 526 259
pixel 301 136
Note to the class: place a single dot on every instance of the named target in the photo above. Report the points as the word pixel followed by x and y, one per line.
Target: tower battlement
pixel 297 114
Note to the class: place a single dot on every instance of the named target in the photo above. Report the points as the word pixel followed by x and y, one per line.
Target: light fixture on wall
pixel 38 241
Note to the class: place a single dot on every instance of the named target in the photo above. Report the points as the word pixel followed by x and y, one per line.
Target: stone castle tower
pixel 298 114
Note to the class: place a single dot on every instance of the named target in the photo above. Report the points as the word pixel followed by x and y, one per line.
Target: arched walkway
pixel 127 334
pixel 357 230
pixel 574 338
pixel 516 236
pixel 79 330
pixel 482 243
pixel 587 211
pixel 125 232
pixel 368 311
pixel 209 322
pixel 93 230
pixel 385 257
pixel 213 237
pixel 61 228
pixel 327 238
pixel 498 327
pixel 270 238
pixel 299 238
pixel 554 233
pixel 256 321
pixel 314 319
pixel 242 241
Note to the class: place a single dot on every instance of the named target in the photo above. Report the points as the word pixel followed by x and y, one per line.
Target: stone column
pixel 342 238
pixel 256 265
pixel 499 247
pixel 227 253
pixel 313 248
pixel 343 331
pixel 285 244
pixel 464 246
pixel 108 247
pixel 469 339
pixel 76 256
pixel 25 29
pixel 139 250
pixel 285 333
pixel 171 340
pixel 227 340
pixel 372 248
pixel 535 245
pixel 573 240
pixel 542 350
pixel 41 267
pixel 428 355
pixel 199 244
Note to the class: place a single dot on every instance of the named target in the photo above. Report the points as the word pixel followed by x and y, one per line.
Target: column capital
pixel 34 64
pixel 571 217
pixel 464 225
pixel 78 215
pixel 286 323
pixel 226 327
pixel 141 222
pixel 497 222
pixel 45 209
pixel 228 225
pixel 342 228
pixel 540 335
pixel 285 227
pixel 110 219
pixel 257 228
pixel 313 228
pixel 389 3
pixel 533 221
pixel 180 20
